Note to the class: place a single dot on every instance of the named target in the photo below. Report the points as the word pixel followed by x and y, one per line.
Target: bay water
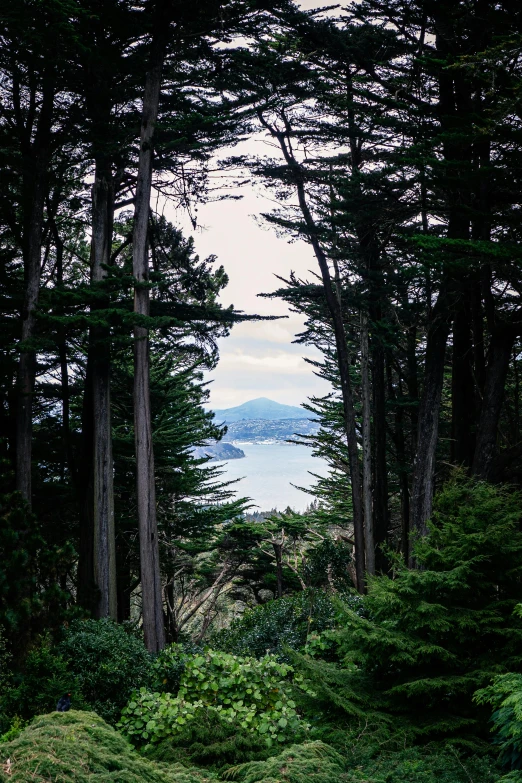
pixel 268 472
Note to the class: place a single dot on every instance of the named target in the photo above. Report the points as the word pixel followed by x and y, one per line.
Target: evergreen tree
pixel 422 643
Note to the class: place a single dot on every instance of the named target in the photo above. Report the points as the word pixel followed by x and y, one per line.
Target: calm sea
pixel 269 470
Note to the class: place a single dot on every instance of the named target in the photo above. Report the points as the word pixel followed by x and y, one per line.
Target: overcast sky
pixel 258 359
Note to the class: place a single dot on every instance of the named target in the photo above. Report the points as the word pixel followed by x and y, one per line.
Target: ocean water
pixel 268 471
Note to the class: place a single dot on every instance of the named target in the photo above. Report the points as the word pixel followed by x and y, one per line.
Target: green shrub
pixel 169 665
pixel 430 637
pixel 285 623
pixel 108 661
pixel 15 729
pixel 250 694
pixel 212 742
pixel 79 747
pixel 38 685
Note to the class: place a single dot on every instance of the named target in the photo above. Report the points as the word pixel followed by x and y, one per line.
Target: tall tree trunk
pixel 104 543
pixel 380 494
pixel 67 458
pixel 35 160
pixel 67 455
pixel 412 380
pixel 516 434
pixel 369 251
pixel 479 363
pixel 153 623
pixel 86 588
pixel 499 356
pixel 367 447
pixel 454 115
pixel 402 461
pixel 403 485
pixel 428 416
pixel 343 359
pixel 462 383
pixel 34 186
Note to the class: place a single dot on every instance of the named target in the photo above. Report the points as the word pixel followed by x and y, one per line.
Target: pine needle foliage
pixel 79 747
pixel 505 695
pixel 312 762
pixel 428 638
pixel 319 762
pixel 424 765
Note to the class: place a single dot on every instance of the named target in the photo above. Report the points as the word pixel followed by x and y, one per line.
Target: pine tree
pixel 423 642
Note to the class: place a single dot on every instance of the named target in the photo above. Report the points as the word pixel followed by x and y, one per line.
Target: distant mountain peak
pixel 261 408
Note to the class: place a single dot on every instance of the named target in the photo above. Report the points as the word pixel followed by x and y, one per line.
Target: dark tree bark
pixel 372 267
pixel 479 362
pixel 343 361
pixel 153 623
pixel 104 544
pixel 412 375
pixel 403 486
pixel 499 356
pixel 67 450
pixel 375 510
pixel 462 384
pixel 398 436
pixel 35 156
pixel 87 593
pixel 380 482
pixel 517 394
pixel 454 111
pixel 367 447
pixel 428 416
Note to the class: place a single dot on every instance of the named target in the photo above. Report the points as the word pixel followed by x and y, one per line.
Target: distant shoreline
pixel 218 452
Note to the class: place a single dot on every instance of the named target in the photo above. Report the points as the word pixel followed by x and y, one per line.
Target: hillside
pixel 261 408
pixel 256 430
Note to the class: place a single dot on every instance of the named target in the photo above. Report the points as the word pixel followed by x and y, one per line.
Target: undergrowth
pixel 79 747
pixel 312 762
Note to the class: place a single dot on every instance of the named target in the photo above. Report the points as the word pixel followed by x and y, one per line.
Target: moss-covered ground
pixel 79 747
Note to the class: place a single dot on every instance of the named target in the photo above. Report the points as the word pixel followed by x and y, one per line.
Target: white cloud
pixel 283 362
